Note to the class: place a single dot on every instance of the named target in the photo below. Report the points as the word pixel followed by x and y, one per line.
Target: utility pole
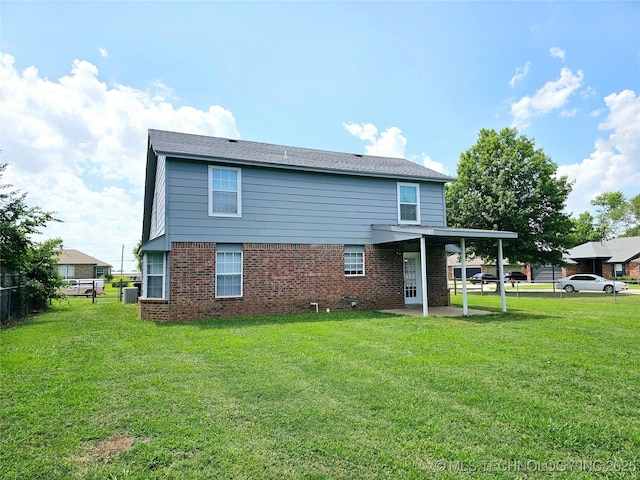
pixel 121 271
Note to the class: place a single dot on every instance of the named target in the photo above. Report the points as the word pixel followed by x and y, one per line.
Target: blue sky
pixel 83 81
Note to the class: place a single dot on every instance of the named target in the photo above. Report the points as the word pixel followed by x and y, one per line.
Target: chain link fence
pixel 14 301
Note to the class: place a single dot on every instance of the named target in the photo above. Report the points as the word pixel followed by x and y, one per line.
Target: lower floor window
pixel 154 275
pixel 353 260
pixel 67 271
pixel 618 270
pixel 154 287
pixel 228 272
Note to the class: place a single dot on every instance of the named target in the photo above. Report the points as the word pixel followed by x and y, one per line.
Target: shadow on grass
pixel 513 315
pixel 558 294
pixel 282 319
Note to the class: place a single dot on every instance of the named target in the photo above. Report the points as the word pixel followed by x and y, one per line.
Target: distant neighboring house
pixel 619 257
pixel 233 227
pixel 75 264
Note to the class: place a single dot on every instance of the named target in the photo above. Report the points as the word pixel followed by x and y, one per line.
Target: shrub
pixel 120 282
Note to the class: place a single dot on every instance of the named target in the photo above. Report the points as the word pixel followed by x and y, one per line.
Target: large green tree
pixel 136 253
pixel 585 229
pixel 633 229
pixel 505 183
pixel 617 216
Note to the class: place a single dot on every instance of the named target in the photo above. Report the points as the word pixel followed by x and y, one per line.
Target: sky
pixel 82 82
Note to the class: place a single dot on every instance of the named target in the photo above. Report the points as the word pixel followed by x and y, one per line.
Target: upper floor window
pixel 225 191
pixel 409 203
pixel 353 260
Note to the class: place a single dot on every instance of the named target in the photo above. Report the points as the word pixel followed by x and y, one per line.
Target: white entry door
pixel 412 279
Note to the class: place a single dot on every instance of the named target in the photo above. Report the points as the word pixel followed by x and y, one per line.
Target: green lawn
pixel 91 392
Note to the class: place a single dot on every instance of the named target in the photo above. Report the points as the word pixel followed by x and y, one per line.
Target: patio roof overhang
pixel 446 235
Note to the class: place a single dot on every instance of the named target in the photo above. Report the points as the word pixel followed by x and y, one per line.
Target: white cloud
pixel 614 164
pixel 556 52
pixel 103 52
pixel 389 143
pixel 588 93
pixel 596 113
pixel 552 96
pixel 521 72
pixel 568 113
pixel 426 160
pixel 366 131
pixel 78 147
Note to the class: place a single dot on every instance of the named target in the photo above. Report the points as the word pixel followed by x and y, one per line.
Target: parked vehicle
pixel 587 281
pixel 83 287
pixel 515 277
pixel 483 278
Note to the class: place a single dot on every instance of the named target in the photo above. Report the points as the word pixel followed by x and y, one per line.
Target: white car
pixel 83 287
pixel 587 281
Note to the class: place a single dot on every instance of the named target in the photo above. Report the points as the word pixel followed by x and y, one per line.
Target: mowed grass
pixel 91 392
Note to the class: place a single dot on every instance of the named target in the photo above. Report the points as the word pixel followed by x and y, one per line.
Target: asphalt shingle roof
pixel 281 156
pixel 76 257
pixel 617 250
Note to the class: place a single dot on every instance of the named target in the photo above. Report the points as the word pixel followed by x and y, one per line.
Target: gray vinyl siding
pixel 158 209
pixel 282 206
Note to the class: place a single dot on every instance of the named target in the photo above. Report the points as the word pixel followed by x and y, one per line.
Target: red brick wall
pixel 572 270
pixel 279 278
pixel 154 309
pixel 437 286
pixel 83 271
pixel 632 269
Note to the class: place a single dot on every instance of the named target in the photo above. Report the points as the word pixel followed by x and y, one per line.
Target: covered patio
pixel 450 237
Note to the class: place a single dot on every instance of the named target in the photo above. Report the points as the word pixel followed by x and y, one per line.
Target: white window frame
pixel 146 274
pixel 417 204
pixel 357 250
pixel 233 251
pixel 238 192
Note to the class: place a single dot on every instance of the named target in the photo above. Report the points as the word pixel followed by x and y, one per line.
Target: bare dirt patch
pixel 110 447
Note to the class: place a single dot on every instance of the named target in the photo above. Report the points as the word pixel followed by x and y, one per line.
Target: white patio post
pixel 423 274
pixel 503 297
pixel 463 258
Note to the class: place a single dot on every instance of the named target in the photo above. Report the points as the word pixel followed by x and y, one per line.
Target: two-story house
pixel 233 227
